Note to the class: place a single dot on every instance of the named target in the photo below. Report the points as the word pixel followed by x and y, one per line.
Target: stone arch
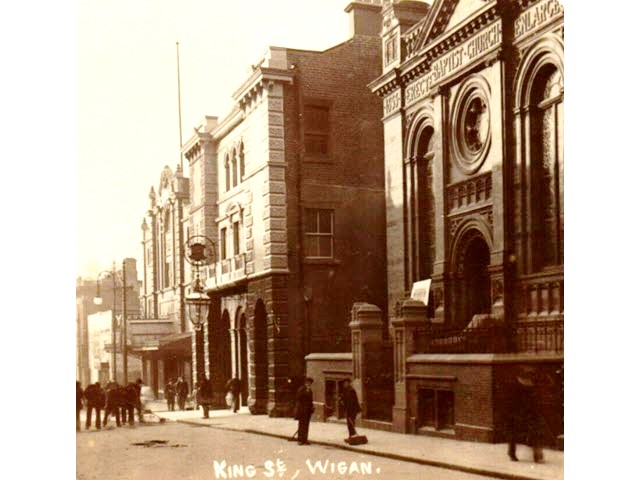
pixel 419 192
pixel 469 267
pixel 547 50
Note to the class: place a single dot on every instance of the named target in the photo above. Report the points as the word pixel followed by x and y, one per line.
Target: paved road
pixel 190 451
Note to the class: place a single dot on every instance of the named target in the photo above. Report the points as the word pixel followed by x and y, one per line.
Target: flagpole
pixel 179 101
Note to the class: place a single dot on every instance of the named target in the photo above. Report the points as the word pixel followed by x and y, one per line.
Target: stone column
pixel 413 315
pixel 366 341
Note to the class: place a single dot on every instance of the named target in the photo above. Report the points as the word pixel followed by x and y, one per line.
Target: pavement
pixel 470 457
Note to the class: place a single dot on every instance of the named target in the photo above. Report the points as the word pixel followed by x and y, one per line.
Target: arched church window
pixel 241 161
pixel 424 211
pixel 547 167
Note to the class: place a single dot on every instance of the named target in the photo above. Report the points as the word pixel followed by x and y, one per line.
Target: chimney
pixel 365 17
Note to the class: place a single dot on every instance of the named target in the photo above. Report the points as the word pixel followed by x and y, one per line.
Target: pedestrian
pixel 122 396
pixel 113 403
pixel 95 401
pixel 170 395
pixel 131 401
pixel 79 395
pixel 349 400
pixel 204 395
pixel 138 386
pixel 233 387
pixel 182 390
pixel 304 409
pixel 525 424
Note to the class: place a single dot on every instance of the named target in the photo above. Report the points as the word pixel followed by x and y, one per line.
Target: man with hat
pixel 525 422
pixel 304 409
pixel 349 400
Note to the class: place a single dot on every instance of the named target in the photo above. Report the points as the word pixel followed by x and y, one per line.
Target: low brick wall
pixel 326 368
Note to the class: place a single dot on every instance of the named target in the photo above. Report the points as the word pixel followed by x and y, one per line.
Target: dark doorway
pixel 244 363
pixel 260 357
pixel 476 281
pixel 224 343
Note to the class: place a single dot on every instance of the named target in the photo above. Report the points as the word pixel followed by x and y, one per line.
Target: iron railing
pixel 528 336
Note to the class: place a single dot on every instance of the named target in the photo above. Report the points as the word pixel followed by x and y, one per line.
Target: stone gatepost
pixel 366 339
pixel 413 315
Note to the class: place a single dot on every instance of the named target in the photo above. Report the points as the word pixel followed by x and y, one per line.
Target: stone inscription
pixel 392 102
pixel 536 16
pixel 454 61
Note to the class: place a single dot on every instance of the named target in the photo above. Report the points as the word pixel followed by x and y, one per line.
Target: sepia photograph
pixel 320 239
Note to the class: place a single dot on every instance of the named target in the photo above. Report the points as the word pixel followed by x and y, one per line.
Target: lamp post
pixel 98 301
pixel 199 252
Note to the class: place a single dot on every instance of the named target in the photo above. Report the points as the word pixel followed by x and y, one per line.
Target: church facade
pixel 473 132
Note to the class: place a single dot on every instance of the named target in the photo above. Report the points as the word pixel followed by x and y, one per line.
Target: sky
pixel 127 96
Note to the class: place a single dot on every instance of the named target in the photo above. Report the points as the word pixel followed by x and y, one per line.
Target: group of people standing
pixel 176 389
pixel 117 400
pixel 203 394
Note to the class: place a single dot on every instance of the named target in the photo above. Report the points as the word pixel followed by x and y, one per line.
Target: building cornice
pixel 261 78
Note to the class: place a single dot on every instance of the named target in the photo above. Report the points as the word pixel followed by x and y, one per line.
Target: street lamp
pixel 199 252
pixel 97 300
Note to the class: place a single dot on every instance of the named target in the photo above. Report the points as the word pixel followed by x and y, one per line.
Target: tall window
pixel 316 130
pixel 236 238
pixel 227 173
pixel 223 243
pixel 234 167
pixel 318 233
pixel 241 161
pixel 390 50
pixel 548 168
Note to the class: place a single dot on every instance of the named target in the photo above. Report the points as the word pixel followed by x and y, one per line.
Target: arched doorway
pixel 473 295
pixel 224 343
pixel 260 390
pixel 243 354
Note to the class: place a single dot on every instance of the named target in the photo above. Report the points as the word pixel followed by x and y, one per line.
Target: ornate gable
pixel 166 181
pixel 445 15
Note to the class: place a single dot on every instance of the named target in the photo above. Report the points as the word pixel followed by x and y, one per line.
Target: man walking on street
pixel 138 386
pixel 233 386
pixel 304 409
pixel 204 394
pixel 131 400
pixel 113 403
pixel 181 391
pixel 122 396
pixel 526 422
pixel 79 394
pixel 170 395
pixel 95 401
pixel 349 400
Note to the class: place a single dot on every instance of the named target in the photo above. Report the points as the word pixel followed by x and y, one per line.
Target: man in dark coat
pixel 233 386
pixel 113 403
pixel 170 395
pixel 138 386
pixel 525 424
pixel 122 395
pixel 79 395
pixel 349 400
pixel 95 401
pixel 131 400
pixel 204 395
pixel 182 390
pixel 304 410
